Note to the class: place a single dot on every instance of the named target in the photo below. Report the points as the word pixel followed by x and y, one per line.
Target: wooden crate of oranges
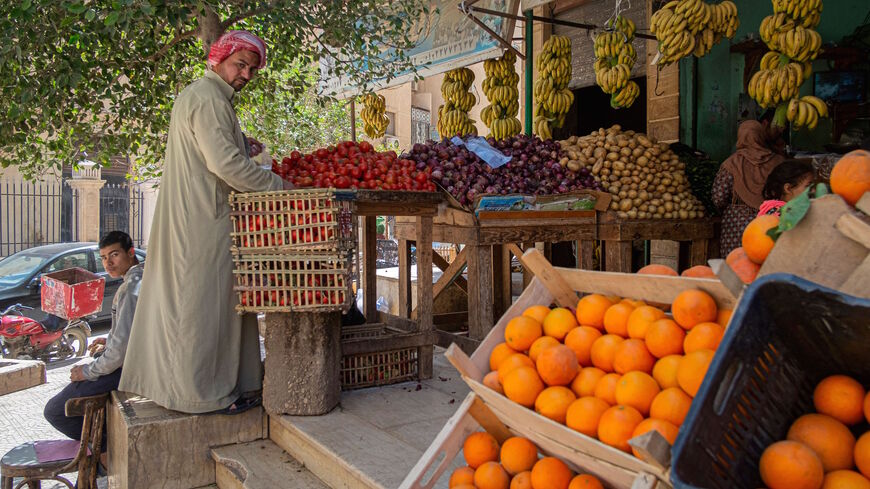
pixel 495 455
pixel 593 374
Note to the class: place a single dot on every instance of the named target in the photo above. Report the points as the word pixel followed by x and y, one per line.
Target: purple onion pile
pixel 534 169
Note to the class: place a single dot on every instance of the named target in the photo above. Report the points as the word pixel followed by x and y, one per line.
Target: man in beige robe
pixel 189 350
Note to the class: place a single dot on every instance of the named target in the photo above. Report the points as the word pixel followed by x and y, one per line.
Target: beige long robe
pixel 189 350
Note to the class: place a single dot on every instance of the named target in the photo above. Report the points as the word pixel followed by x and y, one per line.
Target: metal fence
pixel 36 213
pixel 121 210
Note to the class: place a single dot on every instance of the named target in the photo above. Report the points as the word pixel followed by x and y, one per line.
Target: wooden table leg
pixel 586 254
pixel 370 272
pixel 698 252
pixel 480 312
pixel 527 275
pixel 424 292
pixel 404 278
pixel 617 256
pixel 498 280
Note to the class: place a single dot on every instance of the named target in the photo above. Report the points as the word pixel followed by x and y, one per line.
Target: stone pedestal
pixel 16 375
pixel 88 207
pixel 303 363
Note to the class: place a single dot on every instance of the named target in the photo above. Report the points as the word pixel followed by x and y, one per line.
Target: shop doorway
pixel 592 110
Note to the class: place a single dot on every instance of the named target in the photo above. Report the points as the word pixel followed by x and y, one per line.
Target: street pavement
pixel 21 417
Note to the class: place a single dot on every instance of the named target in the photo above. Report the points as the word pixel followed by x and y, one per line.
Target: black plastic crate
pixel 786 335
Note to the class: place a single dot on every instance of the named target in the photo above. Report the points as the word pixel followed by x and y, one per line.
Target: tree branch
pixel 166 47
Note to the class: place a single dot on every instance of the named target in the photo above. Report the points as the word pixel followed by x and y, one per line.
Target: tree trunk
pixel 209 28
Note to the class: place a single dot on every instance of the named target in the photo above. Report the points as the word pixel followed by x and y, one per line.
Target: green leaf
pixel 791 214
pixel 111 19
pixel 821 190
pixel 90 15
pixel 25 5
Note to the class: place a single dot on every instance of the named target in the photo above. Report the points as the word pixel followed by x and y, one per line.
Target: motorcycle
pixel 22 336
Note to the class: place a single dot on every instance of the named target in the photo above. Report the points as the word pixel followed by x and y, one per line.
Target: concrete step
pixel 260 464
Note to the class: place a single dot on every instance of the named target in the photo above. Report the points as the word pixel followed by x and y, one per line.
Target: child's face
pixel 791 191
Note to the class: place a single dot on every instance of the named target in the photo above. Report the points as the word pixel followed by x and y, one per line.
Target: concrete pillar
pixel 88 207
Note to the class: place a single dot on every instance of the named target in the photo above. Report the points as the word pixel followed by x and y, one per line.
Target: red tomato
pixel 365 147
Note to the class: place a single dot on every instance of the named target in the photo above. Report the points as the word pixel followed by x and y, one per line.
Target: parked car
pixel 20 274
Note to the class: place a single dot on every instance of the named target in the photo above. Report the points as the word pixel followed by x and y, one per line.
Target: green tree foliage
pixel 99 76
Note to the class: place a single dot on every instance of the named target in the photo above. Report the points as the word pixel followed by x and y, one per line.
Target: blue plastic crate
pixel 786 335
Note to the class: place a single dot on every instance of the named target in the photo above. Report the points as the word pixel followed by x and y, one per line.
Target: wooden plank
pixel 488 420
pixel 653 449
pixel 727 276
pixel 854 228
pixel 617 256
pixel 610 227
pixel 450 317
pixel 441 263
pixel 260 465
pixel 858 284
pixel 527 274
pixel 507 218
pixel 404 278
pixel 450 274
pixel 424 294
pixel 863 203
pixel 552 280
pixel 586 254
pixel 480 312
pixel 536 232
pixel 698 252
pixel 499 278
pixel 370 273
pixel 409 340
pixel 446 339
pixel 398 322
pixel 395 208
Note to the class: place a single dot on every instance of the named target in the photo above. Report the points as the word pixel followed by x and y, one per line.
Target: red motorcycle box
pixel 72 293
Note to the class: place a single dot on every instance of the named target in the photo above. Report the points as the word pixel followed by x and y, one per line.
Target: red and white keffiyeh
pixel 233 41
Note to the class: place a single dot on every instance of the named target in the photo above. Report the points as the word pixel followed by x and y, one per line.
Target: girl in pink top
pixel 785 182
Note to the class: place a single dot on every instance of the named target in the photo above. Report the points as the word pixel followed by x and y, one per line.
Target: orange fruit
pixel 523 385
pixel 617 425
pixel 478 448
pixel 521 332
pixel 553 402
pixel 460 476
pixel 640 319
pixel 499 353
pixel 512 362
pixel 840 397
pixel 704 336
pixel 551 473
pixel 723 316
pixel 664 337
pixel 850 177
pixel 665 371
pixel 585 481
pixel 756 243
pixel 692 369
pixel 540 345
pixel 665 428
pixel 692 307
pixel 491 475
pixel 491 380
pixel 830 439
pixel 745 269
pixel 557 365
pixel 698 271
pixel 465 486
pixel 603 350
pixel 631 355
pixel 538 313
pixel 558 322
pixel 862 454
pixel 580 340
pixel 523 480
pixel 845 479
pixel 790 465
pixel 584 413
pixel 671 405
pixel 867 407
pixel 655 269
pixel 605 389
pixel 634 303
pixel 616 319
pixel 591 310
pixel 584 383
pixel 518 454
pixel 637 389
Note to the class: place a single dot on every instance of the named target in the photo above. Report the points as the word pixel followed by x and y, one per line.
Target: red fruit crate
pixel 269 222
pixel 300 281
pixel 72 293
pixel 390 366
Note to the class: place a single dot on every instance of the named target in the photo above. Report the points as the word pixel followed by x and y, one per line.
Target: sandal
pixel 241 405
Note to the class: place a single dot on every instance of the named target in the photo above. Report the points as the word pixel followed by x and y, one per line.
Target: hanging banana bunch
pixel 500 88
pixel 614 58
pixel 793 44
pixel 552 97
pixel 685 27
pixel 453 115
pixel 374 119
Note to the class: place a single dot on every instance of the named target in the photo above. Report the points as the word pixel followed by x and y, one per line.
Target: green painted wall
pixel 710 92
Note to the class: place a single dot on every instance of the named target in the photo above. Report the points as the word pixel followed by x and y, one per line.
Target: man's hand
pixel 256 147
pixel 97 346
pixel 75 375
pixel 288 185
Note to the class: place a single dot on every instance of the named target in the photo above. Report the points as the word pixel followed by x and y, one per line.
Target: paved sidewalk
pixel 21 417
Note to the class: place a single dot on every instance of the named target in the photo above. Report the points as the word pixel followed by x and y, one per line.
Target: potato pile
pixel 646 178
